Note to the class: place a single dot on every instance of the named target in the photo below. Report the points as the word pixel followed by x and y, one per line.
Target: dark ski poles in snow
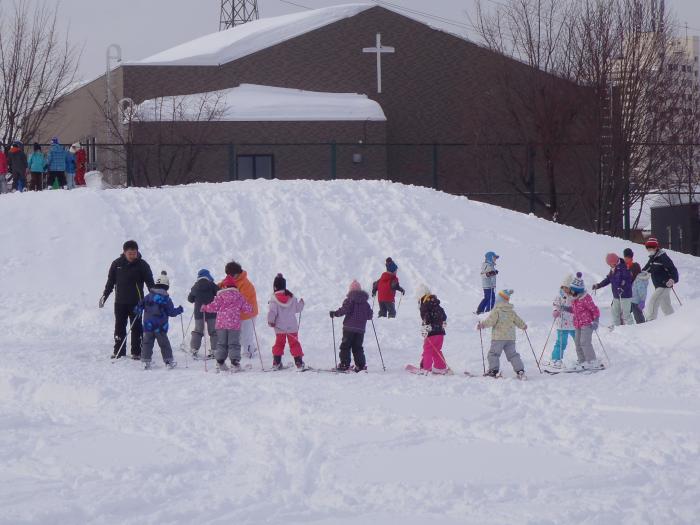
pixel 533 351
pixel 257 345
pixel 674 293
pixel 378 347
pixel 547 341
pixel 182 346
pixel 128 332
pixel 481 340
pixel 603 347
pixel 335 352
pixel 206 352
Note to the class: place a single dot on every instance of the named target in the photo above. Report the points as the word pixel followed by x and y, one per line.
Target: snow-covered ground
pixel 83 440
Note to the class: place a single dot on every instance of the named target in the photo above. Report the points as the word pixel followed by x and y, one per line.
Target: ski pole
pixel 442 356
pixel 603 347
pixel 335 353
pixel 547 341
pixel 182 346
pixel 399 306
pixel 131 325
pixel 674 293
pixel 533 351
pixel 481 340
pixel 182 325
pixel 378 347
pixel 257 345
pixel 206 353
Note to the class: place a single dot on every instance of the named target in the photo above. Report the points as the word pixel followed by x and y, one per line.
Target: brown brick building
pixel 450 117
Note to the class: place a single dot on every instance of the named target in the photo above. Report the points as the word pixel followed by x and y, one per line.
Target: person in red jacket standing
pixel 80 164
pixel 386 287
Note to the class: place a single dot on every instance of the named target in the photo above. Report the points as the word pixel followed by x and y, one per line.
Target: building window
pixel 255 167
pixel 669 237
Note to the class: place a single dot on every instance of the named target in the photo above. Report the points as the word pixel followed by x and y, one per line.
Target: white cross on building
pixel 379 50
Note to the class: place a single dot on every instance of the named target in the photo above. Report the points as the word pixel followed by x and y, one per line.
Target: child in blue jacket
pixel 157 307
pixel 488 283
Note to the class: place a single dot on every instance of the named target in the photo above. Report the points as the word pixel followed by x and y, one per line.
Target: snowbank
pixel 86 441
pixel 249 102
pixel 225 46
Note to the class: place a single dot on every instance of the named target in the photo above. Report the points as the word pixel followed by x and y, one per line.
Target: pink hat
pixel 612 259
pixel 355 286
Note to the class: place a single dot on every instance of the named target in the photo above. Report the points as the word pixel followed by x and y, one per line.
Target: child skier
pixel 357 312
pixel 387 286
pixel 564 315
pixel 241 281
pixel 36 169
pixel 203 292
pixel 282 316
pixel 434 322
pixel 488 283
pixel 229 306
pixel 586 318
pixel 639 285
pixel 503 321
pixel 664 275
pixel 157 307
pixel 620 280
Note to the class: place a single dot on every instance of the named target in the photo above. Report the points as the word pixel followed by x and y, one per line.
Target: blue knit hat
pixel 504 296
pixel 54 140
pixel 391 265
pixel 577 285
pixel 204 273
pixel 491 257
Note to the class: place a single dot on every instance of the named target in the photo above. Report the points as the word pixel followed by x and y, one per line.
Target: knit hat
pixel 628 253
pixel 76 146
pixel 566 283
pixel 163 281
pixel 280 283
pixel 37 147
pixel 491 257
pixel 422 290
pixel 355 286
pixel 577 285
pixel 228 282
pixel 204 273
pixel 652 242
pixel 612 259
pixel 391 265
pixel 54 140
pixel 504 296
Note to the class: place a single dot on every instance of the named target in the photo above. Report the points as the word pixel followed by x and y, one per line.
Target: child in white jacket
pixel 282 316
pixel 564 315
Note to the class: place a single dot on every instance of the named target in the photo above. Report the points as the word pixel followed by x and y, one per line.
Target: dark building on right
pixel 677 227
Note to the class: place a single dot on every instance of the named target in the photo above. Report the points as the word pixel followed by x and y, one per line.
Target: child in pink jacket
pixel 586 316
pixel 282 316
pixel 228 304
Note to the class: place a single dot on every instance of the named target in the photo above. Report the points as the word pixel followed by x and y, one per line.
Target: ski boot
pixel 492 373
pixel 171 364
pixel 146 365
pixel 342 368
pixel 594 364
pixel 277 362
pixel 221 367
pixel 136 357
pixel 299 363
pixel 440 371
pixel 357 369
pixel 521 375
pixel 235 365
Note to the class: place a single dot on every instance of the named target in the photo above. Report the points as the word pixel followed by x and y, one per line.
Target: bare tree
pixel 37 66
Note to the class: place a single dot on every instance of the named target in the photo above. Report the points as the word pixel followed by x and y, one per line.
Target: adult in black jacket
pixel 17 164
pixel 664 275
pixel 128 273
pixel 203 292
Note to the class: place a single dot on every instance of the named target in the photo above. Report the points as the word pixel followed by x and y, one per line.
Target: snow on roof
pixel 225 46
pixel 640 211
pixel 249 102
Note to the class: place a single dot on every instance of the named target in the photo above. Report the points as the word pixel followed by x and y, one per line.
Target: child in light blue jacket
pixel 488 283
pixel 639 296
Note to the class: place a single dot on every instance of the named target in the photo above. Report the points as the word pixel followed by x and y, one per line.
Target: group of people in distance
pixel 59 168
pixel 227 312
pixel 575 312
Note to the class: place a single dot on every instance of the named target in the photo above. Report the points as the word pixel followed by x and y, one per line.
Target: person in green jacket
pixel 36 168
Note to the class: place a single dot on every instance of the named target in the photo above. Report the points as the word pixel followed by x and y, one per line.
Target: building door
pixel 255 167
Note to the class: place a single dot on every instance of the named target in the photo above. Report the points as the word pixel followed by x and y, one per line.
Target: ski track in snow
pixel 85 440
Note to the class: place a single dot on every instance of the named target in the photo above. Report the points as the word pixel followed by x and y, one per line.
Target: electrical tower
pixel 237 12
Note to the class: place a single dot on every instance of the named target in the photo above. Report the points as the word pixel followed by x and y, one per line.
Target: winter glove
pixel 102 301
pixel 594 325
pixel 556 314
pixel 424 330
pixel 641 305
pixel 479 326
pixel 271 325
pixel 594 287
pixel 138 310
pixel 332 313
pixel 670 283
pixel 179 310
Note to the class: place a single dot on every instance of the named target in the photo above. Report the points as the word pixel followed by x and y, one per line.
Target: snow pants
pixel 198 333
pixel 637 313
pixel 661 298
pixel 58 177
pixel 149 339
pixel 248 337
pixel 352 341
pixel 432 353
pixel 560 345
pixel 294 345
pixel 35 182
pixel 70 181
pixel 124 315
pixel 228 344
pixel 622 312
pixel 387 308
pixel 3 184
pixel 494 356
pixel 584 344
pixel 486 304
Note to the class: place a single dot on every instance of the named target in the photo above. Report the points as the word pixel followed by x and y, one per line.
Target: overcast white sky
pixel 144 27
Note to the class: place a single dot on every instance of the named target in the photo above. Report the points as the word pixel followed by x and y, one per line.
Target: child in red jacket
pixel 386 287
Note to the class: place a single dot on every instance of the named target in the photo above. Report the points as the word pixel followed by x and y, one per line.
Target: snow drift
pixel 85 440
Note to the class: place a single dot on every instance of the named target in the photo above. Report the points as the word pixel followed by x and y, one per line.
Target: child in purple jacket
pixel 357 312
pixel 620 280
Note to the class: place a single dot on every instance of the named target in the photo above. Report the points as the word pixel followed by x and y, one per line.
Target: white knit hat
pixel 566 283
pixel 163 279
pixel 422 290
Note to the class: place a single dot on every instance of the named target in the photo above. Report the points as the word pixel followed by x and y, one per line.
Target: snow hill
pixel 87 441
